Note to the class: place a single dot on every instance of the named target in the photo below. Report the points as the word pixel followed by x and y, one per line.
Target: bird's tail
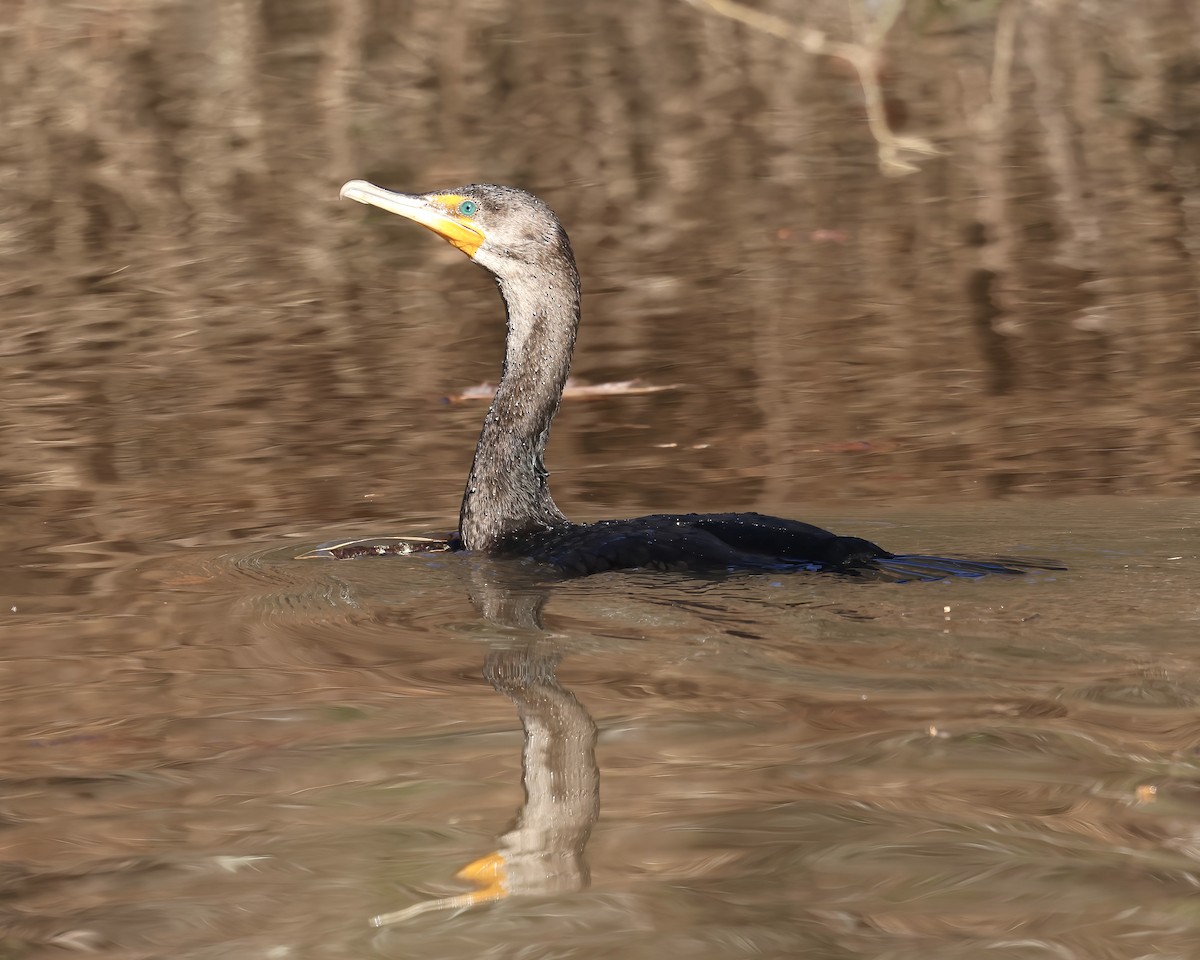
pixel 912 566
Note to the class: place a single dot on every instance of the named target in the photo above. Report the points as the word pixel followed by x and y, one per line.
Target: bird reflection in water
pixel 541 854
pixel 507 513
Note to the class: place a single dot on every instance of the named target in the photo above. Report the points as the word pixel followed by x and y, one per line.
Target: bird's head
pixel 501 228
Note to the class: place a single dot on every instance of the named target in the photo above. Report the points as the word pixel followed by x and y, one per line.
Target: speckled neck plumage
pixel 507 495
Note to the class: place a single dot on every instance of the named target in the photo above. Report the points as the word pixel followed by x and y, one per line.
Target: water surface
pixel 211 364
pixel 217 750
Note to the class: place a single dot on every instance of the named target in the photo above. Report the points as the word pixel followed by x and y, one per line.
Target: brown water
pixel 216 750
pixel 208 365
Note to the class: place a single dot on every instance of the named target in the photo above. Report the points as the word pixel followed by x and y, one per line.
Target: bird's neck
pixel 507 493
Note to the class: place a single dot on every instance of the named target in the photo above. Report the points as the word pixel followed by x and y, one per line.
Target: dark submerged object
pixel 507 509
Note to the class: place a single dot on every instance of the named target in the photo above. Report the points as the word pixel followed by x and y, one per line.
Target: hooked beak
pixel 435 211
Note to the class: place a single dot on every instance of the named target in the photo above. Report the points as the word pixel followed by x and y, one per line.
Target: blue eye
pixel 468 208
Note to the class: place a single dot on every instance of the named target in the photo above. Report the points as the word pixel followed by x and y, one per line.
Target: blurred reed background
pixel 935 249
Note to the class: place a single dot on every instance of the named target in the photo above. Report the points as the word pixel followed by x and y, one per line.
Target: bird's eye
pixel 468 208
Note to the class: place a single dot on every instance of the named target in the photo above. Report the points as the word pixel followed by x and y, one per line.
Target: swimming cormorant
pixel 507 509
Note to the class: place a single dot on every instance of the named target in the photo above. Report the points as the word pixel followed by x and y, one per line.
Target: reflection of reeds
pixel 184 297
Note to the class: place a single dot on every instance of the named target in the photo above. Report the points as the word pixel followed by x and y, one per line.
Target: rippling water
pixel 223 751
pixel 209 749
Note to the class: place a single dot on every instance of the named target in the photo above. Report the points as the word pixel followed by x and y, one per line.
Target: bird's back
pixel 715 542
pixel 693 541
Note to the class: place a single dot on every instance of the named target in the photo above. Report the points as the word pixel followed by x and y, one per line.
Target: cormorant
pixel 507 509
